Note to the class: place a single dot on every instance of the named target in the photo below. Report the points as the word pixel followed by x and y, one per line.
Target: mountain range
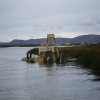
pixel 83 38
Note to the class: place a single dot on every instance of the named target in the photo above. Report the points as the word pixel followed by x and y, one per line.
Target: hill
pixel 84 38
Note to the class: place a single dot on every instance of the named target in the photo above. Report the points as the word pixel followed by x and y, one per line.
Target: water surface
pixel 22 81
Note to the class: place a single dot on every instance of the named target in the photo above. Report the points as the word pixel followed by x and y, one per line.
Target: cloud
pixel 36 18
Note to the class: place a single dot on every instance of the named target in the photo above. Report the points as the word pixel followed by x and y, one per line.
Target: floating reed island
pixel 48 54
pixel 88 55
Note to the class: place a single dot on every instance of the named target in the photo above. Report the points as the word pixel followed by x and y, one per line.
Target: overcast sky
pixel 27 19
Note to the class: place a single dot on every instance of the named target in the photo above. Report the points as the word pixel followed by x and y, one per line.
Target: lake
pixel 23 81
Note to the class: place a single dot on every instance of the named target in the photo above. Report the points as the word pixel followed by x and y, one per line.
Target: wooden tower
pixel 52 42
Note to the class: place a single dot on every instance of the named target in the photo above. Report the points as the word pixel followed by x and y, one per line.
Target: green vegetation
pixel 88 55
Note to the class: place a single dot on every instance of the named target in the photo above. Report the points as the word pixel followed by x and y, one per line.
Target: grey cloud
pixel 43 16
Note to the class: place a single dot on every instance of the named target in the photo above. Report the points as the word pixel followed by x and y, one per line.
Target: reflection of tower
pixel 51 42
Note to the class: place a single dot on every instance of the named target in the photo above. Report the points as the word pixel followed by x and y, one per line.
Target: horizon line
pixel 45 38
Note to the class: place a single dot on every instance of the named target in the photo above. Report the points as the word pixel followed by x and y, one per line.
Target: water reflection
pixel 92 75
pixel 96 79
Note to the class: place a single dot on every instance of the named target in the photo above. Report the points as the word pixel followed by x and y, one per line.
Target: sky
pixel 29 19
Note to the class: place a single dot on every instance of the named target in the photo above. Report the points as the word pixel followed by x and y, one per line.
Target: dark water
pixel 22 81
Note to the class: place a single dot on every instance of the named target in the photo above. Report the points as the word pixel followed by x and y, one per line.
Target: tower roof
pixel 50 36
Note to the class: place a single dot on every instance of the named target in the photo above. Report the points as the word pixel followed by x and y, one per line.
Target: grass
pixel 88 56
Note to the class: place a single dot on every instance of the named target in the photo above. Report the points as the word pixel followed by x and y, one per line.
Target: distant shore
pixel 4 46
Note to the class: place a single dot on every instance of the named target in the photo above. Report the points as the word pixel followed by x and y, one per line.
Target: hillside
pixel 79 39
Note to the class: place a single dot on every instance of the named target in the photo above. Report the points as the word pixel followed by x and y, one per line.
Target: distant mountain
pixel 86 38
pixel 63 40
pixel 37 41
pixel 27 42
pixel 79 39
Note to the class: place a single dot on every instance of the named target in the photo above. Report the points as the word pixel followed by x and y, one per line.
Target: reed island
pixel 87 55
